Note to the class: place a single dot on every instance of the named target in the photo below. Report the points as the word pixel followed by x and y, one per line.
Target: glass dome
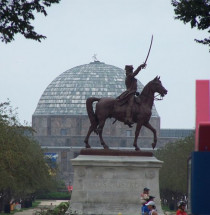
pixel 67 94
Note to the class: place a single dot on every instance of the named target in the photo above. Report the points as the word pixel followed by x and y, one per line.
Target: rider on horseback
pixel 131 88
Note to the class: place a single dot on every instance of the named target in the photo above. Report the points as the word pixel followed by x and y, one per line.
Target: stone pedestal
pixel 107 185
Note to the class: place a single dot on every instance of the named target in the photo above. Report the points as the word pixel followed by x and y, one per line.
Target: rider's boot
pixel 128 118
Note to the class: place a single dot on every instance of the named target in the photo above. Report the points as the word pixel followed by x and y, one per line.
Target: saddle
pixel 125 99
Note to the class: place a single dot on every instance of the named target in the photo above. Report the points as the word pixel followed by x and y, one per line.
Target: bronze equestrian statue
pixel 131 88
pixel 109 108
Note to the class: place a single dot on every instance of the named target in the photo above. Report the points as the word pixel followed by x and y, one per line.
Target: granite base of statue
pixel 109 182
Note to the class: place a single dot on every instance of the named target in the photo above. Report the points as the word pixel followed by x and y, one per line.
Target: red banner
pixel 202 107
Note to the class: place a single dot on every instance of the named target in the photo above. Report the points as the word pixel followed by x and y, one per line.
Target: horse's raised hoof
pixel 153 145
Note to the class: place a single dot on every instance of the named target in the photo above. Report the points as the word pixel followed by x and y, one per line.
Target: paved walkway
pixel 52 203
pixel 44 203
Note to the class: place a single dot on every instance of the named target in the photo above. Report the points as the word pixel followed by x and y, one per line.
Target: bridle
pixel 153 97
pixel 158 99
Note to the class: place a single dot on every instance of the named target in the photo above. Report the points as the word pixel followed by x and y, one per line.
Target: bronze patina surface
pixel 140 112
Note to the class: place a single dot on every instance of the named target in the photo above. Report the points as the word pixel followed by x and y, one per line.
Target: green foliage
pixel 55 196
pixel 35 204
pixel 23 169
pixel 16 17
pixel 166 208
pixel 61 186
pixel 59 210
pixel 195 12
pixel 173 174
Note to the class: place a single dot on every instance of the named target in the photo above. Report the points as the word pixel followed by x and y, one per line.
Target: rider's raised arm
pixel 142 66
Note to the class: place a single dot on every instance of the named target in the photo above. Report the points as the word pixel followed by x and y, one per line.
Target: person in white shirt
pixel 152 208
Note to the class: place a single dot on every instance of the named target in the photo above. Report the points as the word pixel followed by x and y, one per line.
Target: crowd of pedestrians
pixel 148 204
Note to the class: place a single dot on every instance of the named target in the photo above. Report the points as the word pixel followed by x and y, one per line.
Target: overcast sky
pixel 119 32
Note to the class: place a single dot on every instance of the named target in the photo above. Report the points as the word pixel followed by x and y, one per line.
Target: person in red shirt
pixel 181 208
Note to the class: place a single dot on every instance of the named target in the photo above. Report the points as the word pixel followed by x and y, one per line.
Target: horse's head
pixel 157 87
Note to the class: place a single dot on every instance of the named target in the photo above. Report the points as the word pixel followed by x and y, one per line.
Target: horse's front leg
pixel 149 126
pixel 87 137
pixel 100 130
pixel 138 128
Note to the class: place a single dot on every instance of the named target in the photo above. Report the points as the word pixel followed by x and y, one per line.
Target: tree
pixel 23 169
pixel 195 12
pixel 173 174
pixel 16 17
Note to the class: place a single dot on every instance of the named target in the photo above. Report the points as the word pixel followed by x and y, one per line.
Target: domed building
pixel 61 122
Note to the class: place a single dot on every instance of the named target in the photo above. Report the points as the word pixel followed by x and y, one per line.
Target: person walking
pixel 181 208
pixel 152 208
pixel 144 197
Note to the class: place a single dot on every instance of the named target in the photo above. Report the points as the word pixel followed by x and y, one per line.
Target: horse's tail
pixel 90 111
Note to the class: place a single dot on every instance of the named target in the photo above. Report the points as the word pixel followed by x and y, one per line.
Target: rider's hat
pixel 128 67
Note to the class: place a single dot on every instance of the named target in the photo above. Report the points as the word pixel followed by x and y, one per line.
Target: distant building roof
pixel 67 94
pixel 176 132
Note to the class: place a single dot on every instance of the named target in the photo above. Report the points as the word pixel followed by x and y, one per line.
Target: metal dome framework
pixel 67 94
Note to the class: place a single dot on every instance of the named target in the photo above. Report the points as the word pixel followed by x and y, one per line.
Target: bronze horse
pixel 108 108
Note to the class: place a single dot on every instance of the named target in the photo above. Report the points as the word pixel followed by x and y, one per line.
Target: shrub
pixel 59 210
pixel 55 196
